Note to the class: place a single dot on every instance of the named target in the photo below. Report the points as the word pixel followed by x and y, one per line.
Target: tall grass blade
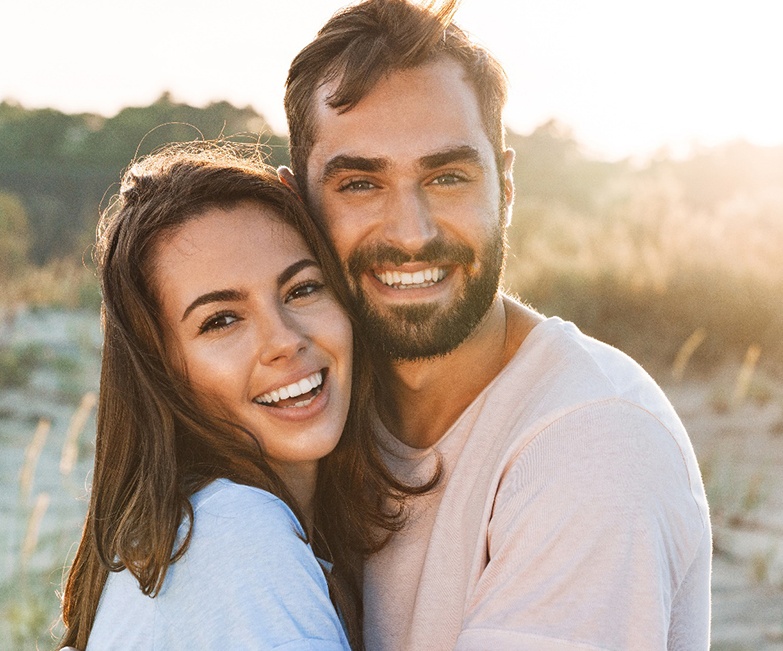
pixel 686 351
pixel 33 528
pixel 745 374
pixel 31 455
pixel 70 451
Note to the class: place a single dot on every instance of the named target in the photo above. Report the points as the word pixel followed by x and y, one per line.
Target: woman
pixel 227 458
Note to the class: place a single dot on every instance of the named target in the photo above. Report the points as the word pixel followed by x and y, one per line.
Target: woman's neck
pixel 300 480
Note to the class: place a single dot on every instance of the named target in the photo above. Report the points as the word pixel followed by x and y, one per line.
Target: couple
pixel 455 471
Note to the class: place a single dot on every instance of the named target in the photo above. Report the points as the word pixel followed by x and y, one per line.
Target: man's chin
pixel 420 331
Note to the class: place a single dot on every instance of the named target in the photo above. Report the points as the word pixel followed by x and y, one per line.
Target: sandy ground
pixel 740 449
pixel 739 443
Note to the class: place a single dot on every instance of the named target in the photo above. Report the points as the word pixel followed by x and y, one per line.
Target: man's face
pixel 407 184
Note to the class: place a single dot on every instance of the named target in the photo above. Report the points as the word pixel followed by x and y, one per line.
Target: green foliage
pixel 550 168
pixel 62 166
pixel 14 236
pixel 18 363
pixel 28 616
pixel 640 256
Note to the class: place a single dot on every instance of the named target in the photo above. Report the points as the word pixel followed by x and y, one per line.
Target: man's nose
pixel 279 337
pixel 409 222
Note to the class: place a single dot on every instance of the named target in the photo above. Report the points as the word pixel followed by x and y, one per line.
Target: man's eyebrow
pixel 218 296
pixel 462 154
pixel 344 163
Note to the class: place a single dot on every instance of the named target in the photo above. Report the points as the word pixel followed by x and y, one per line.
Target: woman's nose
pixel 280 337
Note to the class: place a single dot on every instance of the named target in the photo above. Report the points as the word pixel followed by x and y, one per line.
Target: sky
pixel 627 77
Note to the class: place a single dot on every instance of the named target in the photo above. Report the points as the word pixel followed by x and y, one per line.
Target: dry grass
pixel 41 540
pixel 656 276
pixel 66 283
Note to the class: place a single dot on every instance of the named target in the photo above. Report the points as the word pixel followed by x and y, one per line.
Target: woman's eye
pixel 304 289
pixel 218 322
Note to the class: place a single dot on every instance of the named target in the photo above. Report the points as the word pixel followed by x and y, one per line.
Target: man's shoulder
pixel 562 377
pixel 558 361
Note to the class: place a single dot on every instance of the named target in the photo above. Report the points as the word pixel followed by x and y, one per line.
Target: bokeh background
pixel 649 211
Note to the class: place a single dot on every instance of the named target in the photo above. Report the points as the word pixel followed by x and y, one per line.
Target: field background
pixel 676 261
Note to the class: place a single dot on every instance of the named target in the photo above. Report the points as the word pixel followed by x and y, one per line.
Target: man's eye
pixel 218 322
pixel 304 289
pixel 357 185
pixel 447 179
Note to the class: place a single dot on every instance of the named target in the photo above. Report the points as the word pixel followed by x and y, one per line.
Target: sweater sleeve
pixel 595 529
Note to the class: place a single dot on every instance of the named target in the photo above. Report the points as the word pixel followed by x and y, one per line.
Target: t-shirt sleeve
pixel 248 580
pixel 595 527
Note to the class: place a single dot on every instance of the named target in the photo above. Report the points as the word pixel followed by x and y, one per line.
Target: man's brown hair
pixel 363 43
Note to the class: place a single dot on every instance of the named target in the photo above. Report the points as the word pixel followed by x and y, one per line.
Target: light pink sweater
pixel 571 515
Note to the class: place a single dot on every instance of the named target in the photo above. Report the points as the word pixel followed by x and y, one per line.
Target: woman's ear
pixel 288 179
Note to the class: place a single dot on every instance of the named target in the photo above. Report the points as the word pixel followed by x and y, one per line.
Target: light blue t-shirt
pixel 246 581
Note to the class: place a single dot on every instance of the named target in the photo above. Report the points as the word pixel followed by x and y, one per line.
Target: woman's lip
pixel 292 413
pixel 275 394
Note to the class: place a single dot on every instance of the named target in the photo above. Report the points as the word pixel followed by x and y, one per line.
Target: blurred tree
pixel 550 167
pixel 64 165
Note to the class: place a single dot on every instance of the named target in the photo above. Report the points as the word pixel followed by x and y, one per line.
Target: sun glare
pixel 627 78
pixel 634 77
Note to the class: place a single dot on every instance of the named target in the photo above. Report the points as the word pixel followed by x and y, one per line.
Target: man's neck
pixel 425 398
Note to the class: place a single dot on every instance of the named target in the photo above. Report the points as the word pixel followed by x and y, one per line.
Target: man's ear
pixel 288 179
pixel 508 185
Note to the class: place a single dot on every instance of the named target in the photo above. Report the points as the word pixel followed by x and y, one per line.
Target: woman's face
pixel 261 339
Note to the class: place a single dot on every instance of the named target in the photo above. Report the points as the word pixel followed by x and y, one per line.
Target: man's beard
pixel 417 332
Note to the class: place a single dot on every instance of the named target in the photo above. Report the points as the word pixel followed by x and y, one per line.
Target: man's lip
pixel 405 285
pixel 409 267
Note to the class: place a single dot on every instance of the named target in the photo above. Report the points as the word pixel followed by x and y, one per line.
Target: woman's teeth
pixel 405 280
pixel 294 390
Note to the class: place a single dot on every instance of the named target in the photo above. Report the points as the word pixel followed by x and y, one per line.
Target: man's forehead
pixel 447 70
pixel 430 108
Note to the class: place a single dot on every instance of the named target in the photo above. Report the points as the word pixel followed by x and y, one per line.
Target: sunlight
pixel 631 77
pixel 627 78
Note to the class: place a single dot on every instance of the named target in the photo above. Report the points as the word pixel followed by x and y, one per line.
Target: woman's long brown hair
pixel 155 446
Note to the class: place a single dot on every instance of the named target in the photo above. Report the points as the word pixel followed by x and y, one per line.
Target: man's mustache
pixel 436 252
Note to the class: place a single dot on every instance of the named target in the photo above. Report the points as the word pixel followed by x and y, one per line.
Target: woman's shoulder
pixel 226 505
pixel 247 556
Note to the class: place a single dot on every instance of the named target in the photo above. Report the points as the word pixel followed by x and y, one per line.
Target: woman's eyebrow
pixel 218 296
pixel 224 295
pixel 291 271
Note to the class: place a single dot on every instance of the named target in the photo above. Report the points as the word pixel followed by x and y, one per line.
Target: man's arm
pixel 599 539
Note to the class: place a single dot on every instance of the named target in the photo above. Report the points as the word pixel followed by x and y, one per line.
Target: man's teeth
pixel 401 279
pixel 305 385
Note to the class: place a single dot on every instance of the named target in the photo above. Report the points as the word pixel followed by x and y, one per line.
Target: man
pixel 570 513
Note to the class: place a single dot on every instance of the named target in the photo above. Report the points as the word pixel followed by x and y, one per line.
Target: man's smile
pixel 411 280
